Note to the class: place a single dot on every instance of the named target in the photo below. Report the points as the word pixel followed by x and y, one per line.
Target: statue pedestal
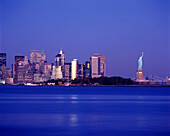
pixel 139 75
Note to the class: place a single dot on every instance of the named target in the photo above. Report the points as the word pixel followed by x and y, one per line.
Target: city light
pixel 37 70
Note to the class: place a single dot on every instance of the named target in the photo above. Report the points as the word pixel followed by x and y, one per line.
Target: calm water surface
pixel 84 111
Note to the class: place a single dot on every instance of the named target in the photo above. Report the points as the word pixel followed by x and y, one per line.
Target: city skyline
pixel 120 32
pixel 66 62
pixel 36 69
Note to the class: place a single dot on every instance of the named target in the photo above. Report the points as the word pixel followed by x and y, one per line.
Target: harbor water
pixel 84 111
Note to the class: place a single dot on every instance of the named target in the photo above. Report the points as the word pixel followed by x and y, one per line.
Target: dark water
pixel 84 111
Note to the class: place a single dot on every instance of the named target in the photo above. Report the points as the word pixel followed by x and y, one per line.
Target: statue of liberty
pixel 140 62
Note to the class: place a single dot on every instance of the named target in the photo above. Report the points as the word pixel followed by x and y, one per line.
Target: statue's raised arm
pixel 140 62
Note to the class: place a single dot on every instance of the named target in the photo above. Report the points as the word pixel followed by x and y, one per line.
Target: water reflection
pixel 74 99
pixel 73 120
pixel 84 114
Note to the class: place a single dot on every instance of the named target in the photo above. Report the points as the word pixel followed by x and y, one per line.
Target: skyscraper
pixel 15 67
pixel 80 71
pixel 37 56
pixel 98 66
pixel 74 64
pixel 37 62
pixel 67 71
pixel 95 66
pixel 6 72
pixel 46 70
pixel 87 69
pixel 102 65
pixel 24 73
pixel 2 62
pixel 60 61
pixel 59 74
pixel 53 75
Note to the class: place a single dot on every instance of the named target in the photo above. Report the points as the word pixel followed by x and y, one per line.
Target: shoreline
pixel 92 85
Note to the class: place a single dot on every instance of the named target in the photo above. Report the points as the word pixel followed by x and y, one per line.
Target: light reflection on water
pixel 81 97
pixel 84 114
pixel 73 120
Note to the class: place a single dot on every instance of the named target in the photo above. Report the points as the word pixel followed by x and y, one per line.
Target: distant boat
pixel 30 84
pixel 67 84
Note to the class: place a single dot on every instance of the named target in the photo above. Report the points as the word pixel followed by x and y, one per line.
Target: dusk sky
pixel 118 29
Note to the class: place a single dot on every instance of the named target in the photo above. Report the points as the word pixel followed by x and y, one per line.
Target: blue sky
pixel 117 29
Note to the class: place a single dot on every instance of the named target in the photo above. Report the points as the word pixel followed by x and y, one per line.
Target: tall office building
pixel 2 62
pixel 37 56
pixel 74 65
pixel 53 75
pixel 7 75
pixel 95 66
pixel 24 73
pixel 46 70
pixel 87 69
pixel 60 61
pixel 6 72
pixel 80 71
pixel 98 66
pixel 102 65
pixel 37 61
pixel 59 74
pixel 15 67
pixel 50 67
pixel 67 71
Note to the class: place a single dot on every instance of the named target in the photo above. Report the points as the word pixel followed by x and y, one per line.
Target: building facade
pixel 60 61
pixel 37 56
pixel 102 65
pixel 67 72
pixel 87 70
pixel 74 65
pixel 97 66
pixel 39 66
pixel 59 74
pixel 15 67
pixel 80 71
pixel 2 62
pixel 24 73
pixel 53 75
